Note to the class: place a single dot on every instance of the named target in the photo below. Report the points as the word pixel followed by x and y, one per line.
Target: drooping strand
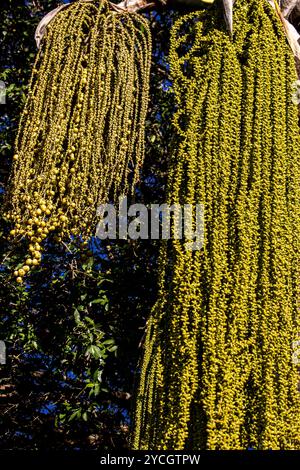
pixel 219 346
pixel 81 135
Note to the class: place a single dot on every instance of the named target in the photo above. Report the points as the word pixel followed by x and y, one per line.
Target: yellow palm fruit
pixel 60 153
pixel 217 369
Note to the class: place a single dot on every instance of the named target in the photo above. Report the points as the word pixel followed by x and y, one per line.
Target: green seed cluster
pixel 81 136
pixel 217 370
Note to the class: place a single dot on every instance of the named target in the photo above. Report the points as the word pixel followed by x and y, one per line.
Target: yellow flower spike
pixel 217 369
pixel 118 60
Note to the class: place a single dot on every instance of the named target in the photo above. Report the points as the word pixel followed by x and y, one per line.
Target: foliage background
pixel 75 330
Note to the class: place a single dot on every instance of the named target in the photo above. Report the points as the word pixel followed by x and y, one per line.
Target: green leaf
pixel 89 320
pixel 75 415
pixel 77 316
pixel 96 301
pixel 94 351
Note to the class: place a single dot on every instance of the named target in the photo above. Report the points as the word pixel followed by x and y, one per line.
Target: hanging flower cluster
pixel 81 134
pixel 217 370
